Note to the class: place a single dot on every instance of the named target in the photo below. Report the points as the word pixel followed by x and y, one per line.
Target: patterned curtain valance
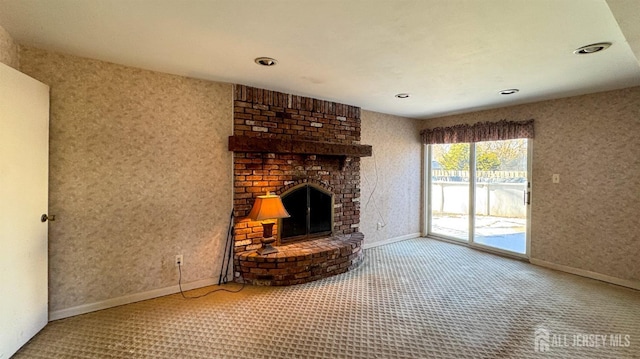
pixel 481 131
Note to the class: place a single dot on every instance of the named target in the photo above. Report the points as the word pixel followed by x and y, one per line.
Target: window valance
pixel 481 131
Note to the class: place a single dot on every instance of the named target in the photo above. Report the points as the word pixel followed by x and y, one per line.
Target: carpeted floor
pixel 418 298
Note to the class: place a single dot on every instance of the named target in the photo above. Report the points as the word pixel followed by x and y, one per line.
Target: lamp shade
pixel 268 206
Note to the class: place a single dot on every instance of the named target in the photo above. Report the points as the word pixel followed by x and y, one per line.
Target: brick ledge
pixel 301 262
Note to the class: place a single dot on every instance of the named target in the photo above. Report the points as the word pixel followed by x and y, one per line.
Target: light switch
pixel 556 178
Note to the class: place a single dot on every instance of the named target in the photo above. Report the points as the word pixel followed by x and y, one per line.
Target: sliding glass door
pixel 449 190
pixel 478 193
pixel 501 181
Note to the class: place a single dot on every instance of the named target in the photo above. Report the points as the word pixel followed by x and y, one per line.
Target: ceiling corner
pixel 627 13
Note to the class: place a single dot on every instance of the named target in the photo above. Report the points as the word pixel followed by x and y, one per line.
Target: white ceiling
pixel 452 56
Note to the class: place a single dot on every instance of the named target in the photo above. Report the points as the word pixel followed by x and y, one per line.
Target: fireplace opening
pixel 311 210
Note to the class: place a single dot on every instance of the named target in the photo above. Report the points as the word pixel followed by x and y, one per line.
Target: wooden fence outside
pixel 443 174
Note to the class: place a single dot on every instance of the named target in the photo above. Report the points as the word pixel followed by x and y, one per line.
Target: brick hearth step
pixel 301 262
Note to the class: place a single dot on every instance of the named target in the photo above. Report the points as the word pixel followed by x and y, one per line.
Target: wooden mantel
pixel 274 145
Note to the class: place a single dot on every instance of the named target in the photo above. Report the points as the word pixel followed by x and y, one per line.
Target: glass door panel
pixel 450 190
pixel 501 181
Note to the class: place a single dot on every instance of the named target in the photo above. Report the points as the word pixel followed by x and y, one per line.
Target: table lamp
pixel 267 209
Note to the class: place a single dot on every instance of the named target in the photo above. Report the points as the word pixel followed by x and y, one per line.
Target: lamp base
pixel 267 248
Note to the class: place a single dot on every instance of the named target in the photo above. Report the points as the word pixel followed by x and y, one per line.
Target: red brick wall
pixel 270 114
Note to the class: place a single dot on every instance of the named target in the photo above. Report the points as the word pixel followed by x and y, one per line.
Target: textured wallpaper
pixel 390 179
pixel 8 50
pixel 139 172
pixel 590 220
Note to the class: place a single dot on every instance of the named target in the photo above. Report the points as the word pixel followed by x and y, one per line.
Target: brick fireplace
pixel 280 142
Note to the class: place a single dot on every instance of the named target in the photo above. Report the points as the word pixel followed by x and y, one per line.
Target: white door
pixel 24 164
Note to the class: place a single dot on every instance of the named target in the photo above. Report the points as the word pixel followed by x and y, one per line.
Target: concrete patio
pixel 497 232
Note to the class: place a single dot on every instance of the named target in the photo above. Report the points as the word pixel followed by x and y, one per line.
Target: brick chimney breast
pixel 316 124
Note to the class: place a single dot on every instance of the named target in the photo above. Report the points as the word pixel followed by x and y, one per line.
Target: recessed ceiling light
pixel 593 48
pixel 403 95
pixel 265 61
pixel 509 91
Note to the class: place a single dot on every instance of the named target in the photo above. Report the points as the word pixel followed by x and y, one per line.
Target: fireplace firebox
pixel 311 210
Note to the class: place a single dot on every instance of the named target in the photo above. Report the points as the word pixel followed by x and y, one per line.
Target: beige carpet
pixel 418 298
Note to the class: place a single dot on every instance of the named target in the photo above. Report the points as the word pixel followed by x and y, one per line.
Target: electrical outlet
pixel 379 226
pixel 179 260
pixel 555 178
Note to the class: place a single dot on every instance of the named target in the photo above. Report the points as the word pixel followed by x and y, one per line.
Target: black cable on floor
pixel 211 291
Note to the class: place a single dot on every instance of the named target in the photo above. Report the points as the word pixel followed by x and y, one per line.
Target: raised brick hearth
pixel 279 141
pixel 302 262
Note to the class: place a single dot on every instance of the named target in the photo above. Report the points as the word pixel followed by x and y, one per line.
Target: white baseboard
pixel 585 273
pixel 127 299
pixel 390 240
